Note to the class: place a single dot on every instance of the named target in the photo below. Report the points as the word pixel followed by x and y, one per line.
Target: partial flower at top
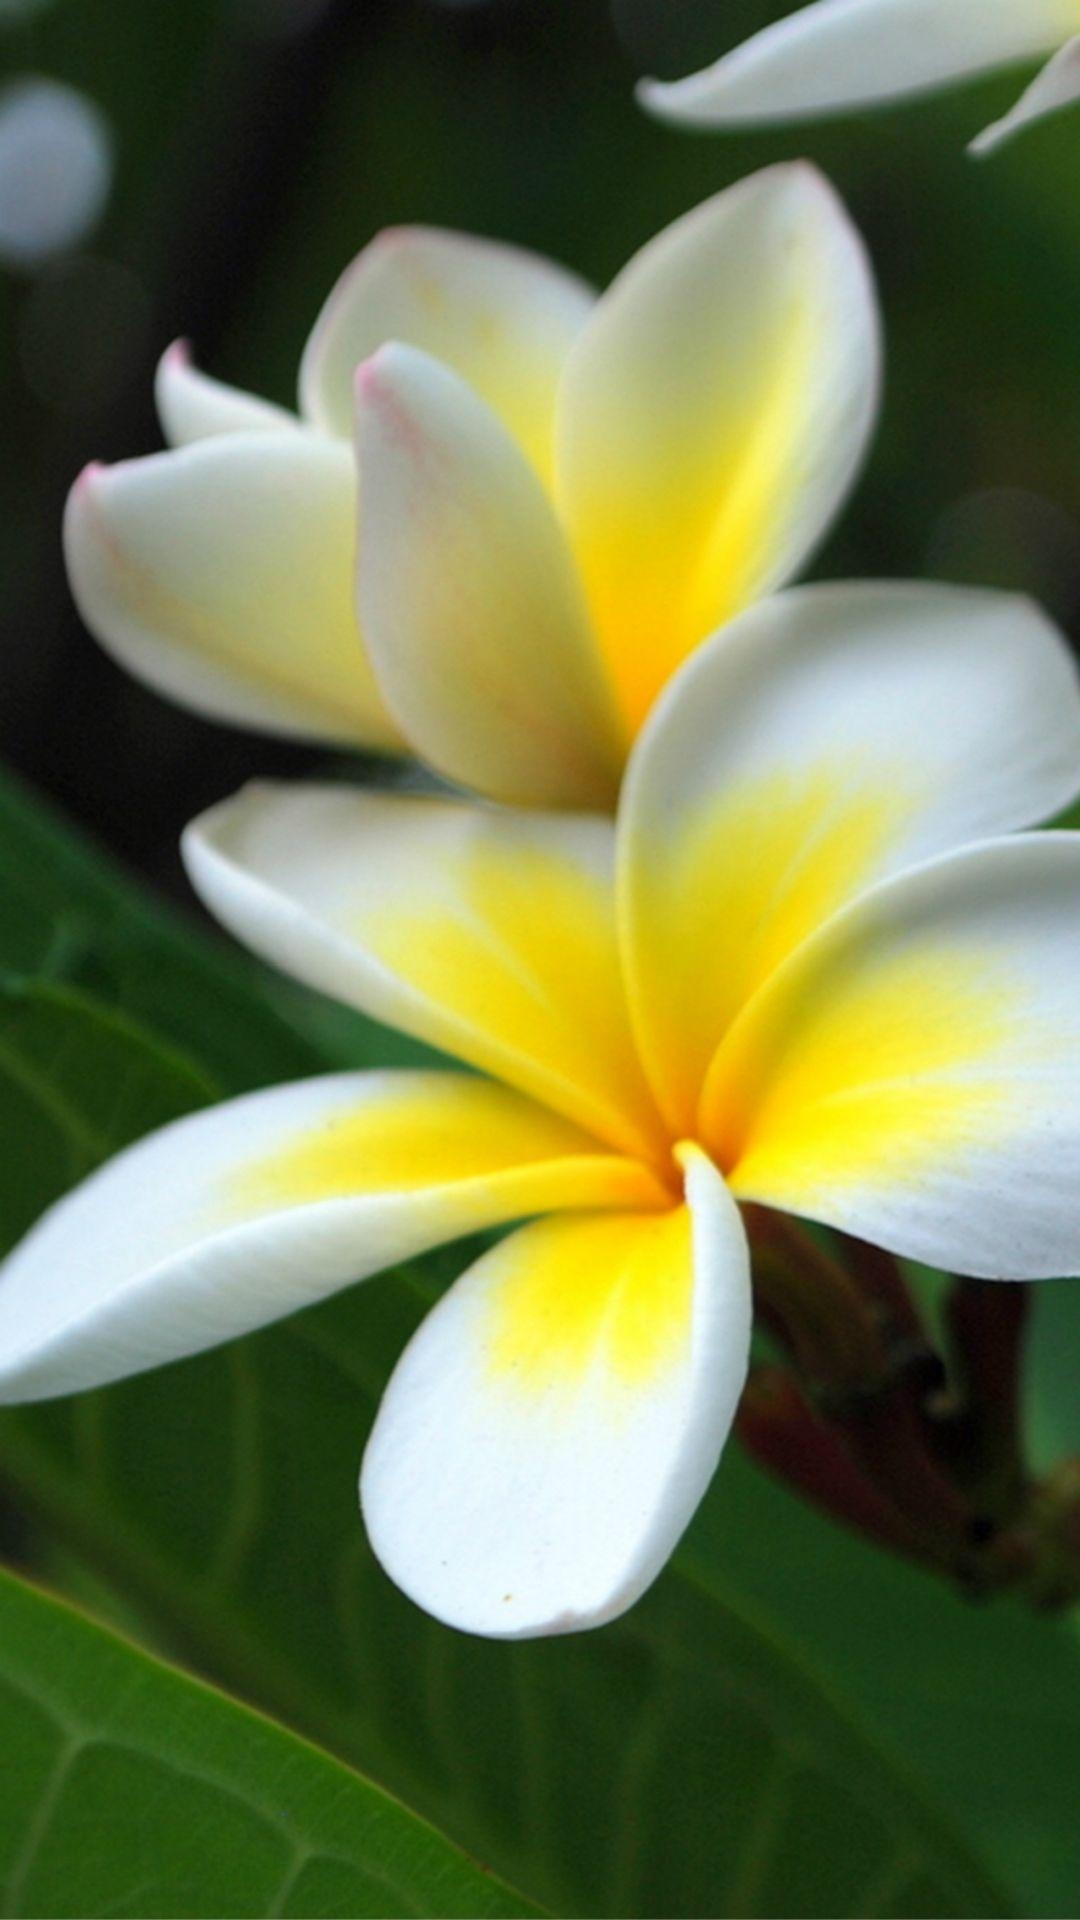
pixel 560 497
pixel 801 969
pixel 840 54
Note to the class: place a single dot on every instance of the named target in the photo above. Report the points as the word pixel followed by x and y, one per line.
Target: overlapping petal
pixel 836 54
pixel 489 934
pixel 555 1421
pixel 831 736
pixel 912 1074
pixel 192 406
pixel 469 600
pixel 221 575
pixel 559 498
pixel 711 417
pixel 500 317
pixel 231 1218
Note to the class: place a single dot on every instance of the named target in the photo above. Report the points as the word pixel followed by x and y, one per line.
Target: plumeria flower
pixel 799 969
pixel 838 54
pixel 562 496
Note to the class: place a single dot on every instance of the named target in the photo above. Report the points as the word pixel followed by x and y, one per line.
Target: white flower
pixel 799 969
pixel 840 54
pixel 561 496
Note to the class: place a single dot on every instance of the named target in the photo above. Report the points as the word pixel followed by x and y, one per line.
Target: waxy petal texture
pixel 554 1423
pixel 473 612
pixel 852 53
pixel 231 1218
pixel 488 934
pixel 500 317
pixel 221 575
pixel 192 406
pixel 829 737
pixel 712 416
pixel 1057 86
pixel 912 1075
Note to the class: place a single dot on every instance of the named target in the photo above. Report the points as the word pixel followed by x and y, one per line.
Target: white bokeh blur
pixel 56 167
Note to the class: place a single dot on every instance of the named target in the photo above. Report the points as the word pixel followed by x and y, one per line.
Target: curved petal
pixel 912 1075
pixel 490 935
pixel 1057 86
pixel 831 736
pixel 852 53
pixel 231 1218
pixel 712 416
pixel 221 575
pixel 554 1423
pixel 473 613
pixel 191 406
pixel 500 317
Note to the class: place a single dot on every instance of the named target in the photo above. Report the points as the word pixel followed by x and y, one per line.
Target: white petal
pixel 1058 85
pixel 829 737
pixel 474 616
pixel 488 934
pixel 191 406
pixel 231 1218
pixel 912 1075
pixel 712 416
pixel 554 1423
pixel 222 576
pixel 852 53
pixel 500 317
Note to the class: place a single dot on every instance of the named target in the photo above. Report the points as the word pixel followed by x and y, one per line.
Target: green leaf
pixel 687 1760
pixel 982 1699
pixel 1053 1410
pixel 70 915
pixel 682 1761
pixel 128 1788
pixel 77 1082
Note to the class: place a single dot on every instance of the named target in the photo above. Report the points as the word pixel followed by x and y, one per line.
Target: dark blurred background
pixel 206 169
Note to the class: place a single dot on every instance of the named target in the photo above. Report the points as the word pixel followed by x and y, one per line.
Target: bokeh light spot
pixel 55 169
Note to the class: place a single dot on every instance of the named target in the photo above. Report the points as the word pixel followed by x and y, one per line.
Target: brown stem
pixel 825 1320
pixel 869 1433
pixel 780 1428
pixel 888 1441
pixel 836 1334
pixel 880 1278
pixel 979 1434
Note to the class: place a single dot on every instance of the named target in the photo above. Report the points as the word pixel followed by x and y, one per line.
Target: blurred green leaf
pixel 127 1788
pixel 1053 1422
pixel 71 916
pixel 683 1761
pixel 77 1082
pixel 983 1700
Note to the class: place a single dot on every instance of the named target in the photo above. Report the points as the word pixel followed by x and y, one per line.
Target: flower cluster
pixel 744 914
